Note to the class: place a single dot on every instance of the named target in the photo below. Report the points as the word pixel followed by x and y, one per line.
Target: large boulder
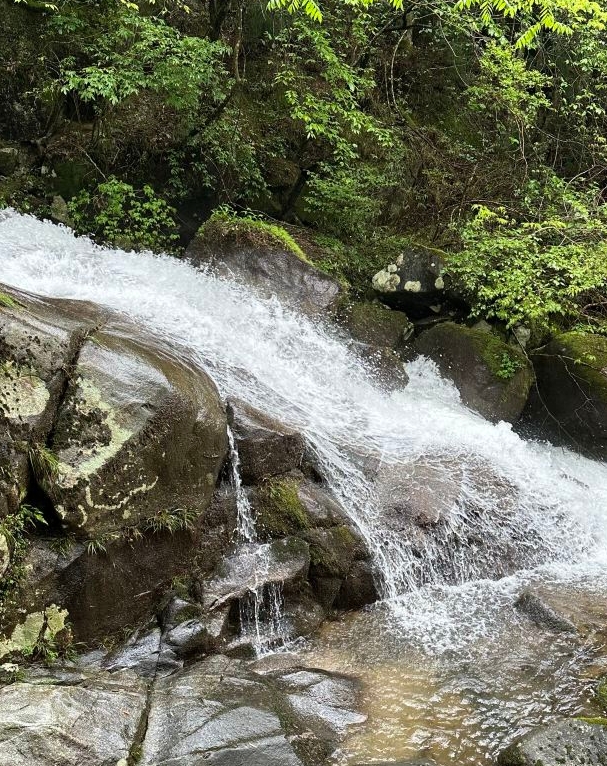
pixel 567 742
pixel 570 404
pixel 70 718
pixel 414 282
pixel 140 437
pixel 493 377
pixel 265 258
pixel 39 344
pixel 221 712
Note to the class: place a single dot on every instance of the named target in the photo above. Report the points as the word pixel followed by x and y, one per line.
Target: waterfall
pixel 303 374
pixel 260 611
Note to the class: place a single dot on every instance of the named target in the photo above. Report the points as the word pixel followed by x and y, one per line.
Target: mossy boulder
pixel 39 343
pixel 570 404
pixel 139 438
pixel 375 324
pixel 413 282
pixel 492 376
pixel 265 257
pixel 279 509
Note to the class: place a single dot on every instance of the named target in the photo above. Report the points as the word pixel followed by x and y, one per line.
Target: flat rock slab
pixel 86 719
pixel 570 742
pixel 215 712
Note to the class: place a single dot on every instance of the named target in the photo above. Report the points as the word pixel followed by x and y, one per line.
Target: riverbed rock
pixel 266 447
pixel 254 256
pixel 140 437
pixel 414 283
pixel 493 377
pixel 217 713
pixel 570 405
pixel 73 718
pixel 456 512
pixel 542 614
pixel 567 742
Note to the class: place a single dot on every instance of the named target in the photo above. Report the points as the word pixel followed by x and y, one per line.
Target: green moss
pixel 6 301
pixel 332 550
pixel 586 355
pixel 601 693
pixel 280 512
pixel 248 228
pixel 503 361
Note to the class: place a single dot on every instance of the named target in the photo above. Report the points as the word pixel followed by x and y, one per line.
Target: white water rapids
pixel 304 374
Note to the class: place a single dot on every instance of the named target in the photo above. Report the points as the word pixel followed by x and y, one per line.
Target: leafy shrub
pixel 544 264
pixel 117 213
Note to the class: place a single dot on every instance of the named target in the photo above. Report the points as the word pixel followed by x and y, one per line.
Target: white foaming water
pixel 300 372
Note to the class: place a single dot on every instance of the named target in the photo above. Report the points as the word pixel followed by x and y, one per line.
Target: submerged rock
pixel 460 515
pixel 567 742
pixel 570 405
pixel 542 614
pixel 493 377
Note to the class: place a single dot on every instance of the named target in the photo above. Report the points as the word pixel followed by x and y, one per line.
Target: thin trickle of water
pixel 302 374
pixel 245 522
pixel 261 610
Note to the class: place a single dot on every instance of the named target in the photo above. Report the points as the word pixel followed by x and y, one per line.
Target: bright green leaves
pixel 313 10
pixel 118 214
pixel 145 53
pixel 561 17
pixel 539 264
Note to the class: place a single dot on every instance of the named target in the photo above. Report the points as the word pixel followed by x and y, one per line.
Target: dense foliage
pixel 478 126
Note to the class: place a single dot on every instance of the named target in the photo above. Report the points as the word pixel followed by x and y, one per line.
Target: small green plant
pixel 171 520
pixel 117 213
pixel 45 464
pixel 95 546
pixel 508 367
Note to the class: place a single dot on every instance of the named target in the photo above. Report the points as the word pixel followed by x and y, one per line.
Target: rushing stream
pixel 449 668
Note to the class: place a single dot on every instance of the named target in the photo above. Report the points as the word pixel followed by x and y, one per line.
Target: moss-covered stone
pixel 262 255
pixel 375 324
pixel 571 402
pixel 256 232
pixel 492 376
pixel 280 512
pixel 332 551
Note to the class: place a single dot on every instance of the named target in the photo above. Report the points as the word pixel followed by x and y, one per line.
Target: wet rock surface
pixel 414 283
pixel 265 446
pixel 493 377
pixel 268 267
pixel 462 516
pixel 138 432
pixel 568 742
pixel 74 718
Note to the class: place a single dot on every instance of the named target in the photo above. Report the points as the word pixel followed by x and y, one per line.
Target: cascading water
pixel 261 609
pixel 542 503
